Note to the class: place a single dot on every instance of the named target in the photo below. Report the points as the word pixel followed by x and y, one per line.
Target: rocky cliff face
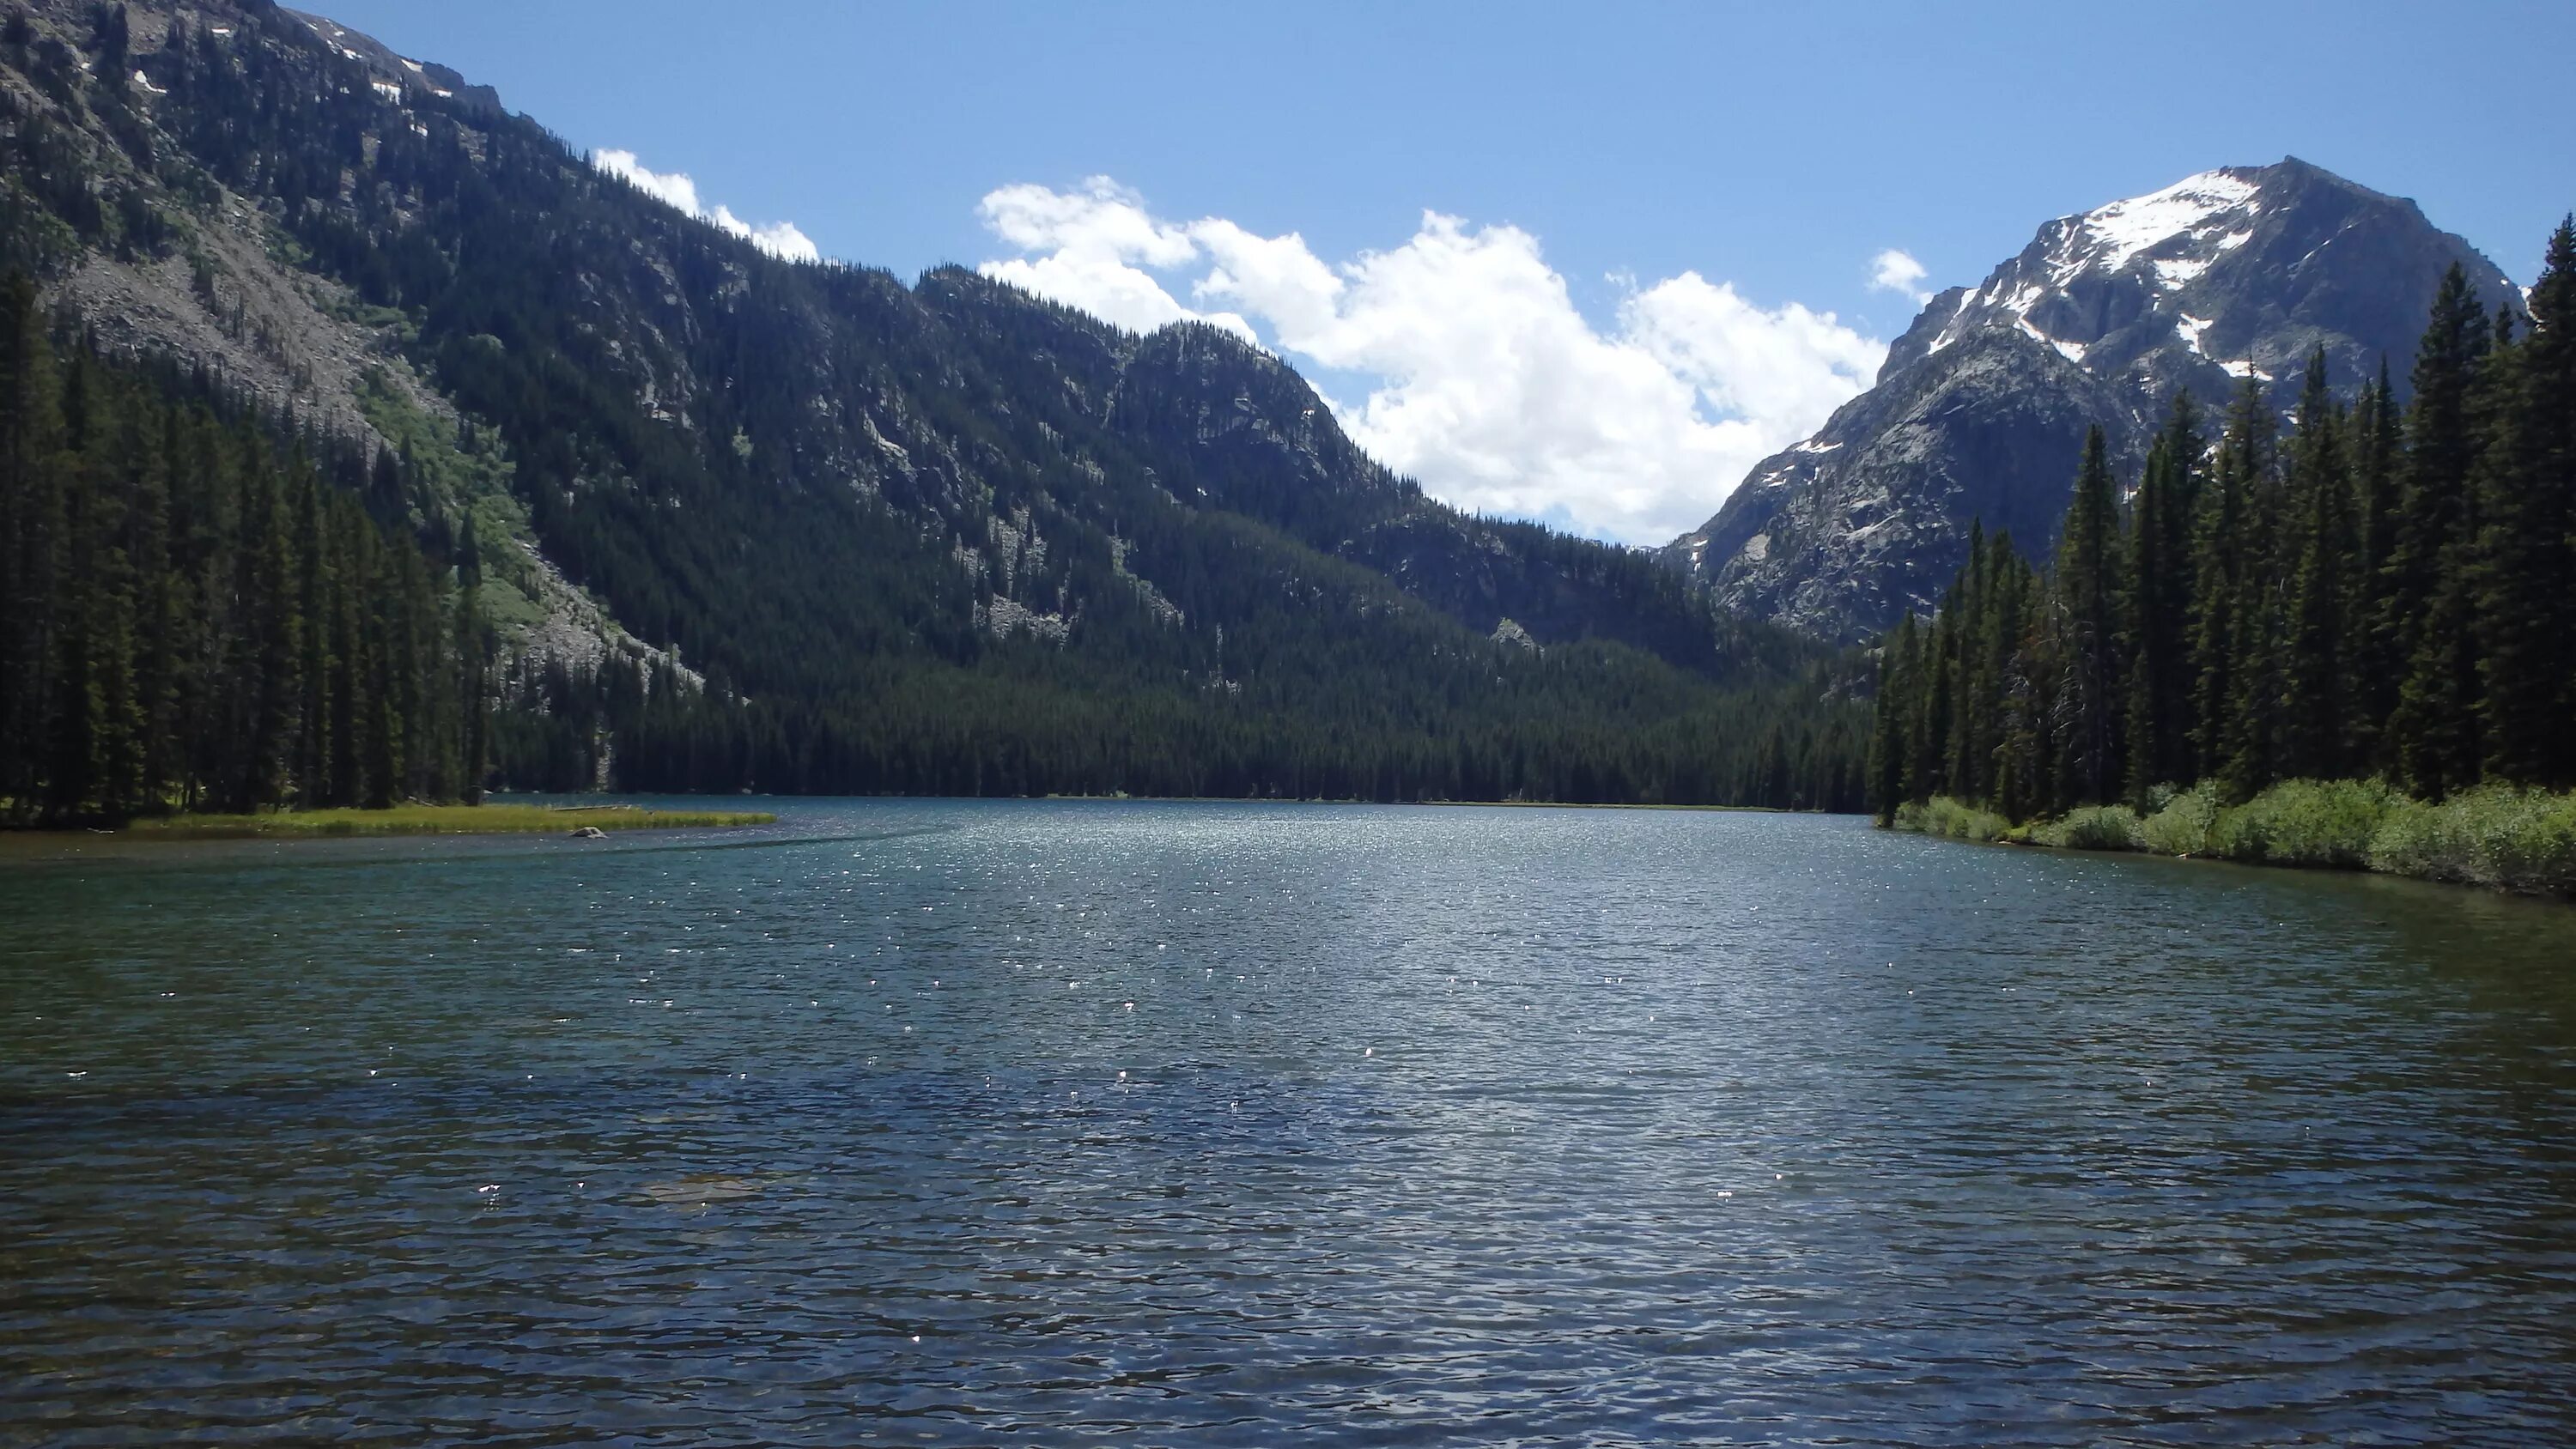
pixel 1981 408
pixel 683 443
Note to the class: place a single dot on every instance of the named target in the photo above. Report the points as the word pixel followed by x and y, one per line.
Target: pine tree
pixel 1899 720
pixel 1937 672
pixel 2378 448
pixel 2220 549
pixel 162 618
pixel 31 543
pixel 2090 693
pixel 274 647
pixel 1972 722
pixel 2426 612
pixel 2145 623
pixel 2027 771
pixel 354 582
pixel 474 668
pixel 118 603
pixel 314 589
pixel 2010 587
pixel 2319 687
pixel 2525 583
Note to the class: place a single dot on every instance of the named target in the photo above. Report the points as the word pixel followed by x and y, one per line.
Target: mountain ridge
pixel 832 494
pixel 2229 275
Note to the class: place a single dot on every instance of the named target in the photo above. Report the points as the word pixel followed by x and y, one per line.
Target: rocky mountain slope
pixel 1982 406
pixel 818 487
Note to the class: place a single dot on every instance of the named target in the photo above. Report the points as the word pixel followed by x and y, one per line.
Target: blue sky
pixel 1766 152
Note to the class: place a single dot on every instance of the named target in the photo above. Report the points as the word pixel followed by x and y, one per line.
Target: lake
pixel 1201 1124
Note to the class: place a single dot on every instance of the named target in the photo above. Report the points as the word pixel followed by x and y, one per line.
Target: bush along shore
pixel 2350 647
pixel 2495 836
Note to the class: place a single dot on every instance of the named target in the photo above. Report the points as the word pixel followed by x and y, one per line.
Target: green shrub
pixel 2496 836
pixel 2182 825
pixel 1951 819
pixel 1961 821
pixel 2100 827
pixel 2322 824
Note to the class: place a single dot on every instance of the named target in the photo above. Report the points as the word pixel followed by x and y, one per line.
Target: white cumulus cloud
pixel 1898 272
pixel 1485 382
pixel 675 190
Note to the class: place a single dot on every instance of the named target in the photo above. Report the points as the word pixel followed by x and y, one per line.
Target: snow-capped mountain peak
pixel 2189 285
pixel 2222 277
pixel 2159 243
pixel 2213 205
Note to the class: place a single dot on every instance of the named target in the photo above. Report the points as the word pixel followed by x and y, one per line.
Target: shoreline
pixel 499 816
pixel 2494 838
pixel 343 824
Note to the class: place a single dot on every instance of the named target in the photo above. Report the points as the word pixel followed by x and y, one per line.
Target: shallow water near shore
pixel 1131 1123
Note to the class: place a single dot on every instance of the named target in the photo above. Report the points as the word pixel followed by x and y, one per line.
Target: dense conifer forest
pixel 194 616
pixel 2375 592
pixel 867 537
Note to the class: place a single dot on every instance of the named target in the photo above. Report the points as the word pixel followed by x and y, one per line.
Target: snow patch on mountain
pixel 2108 238
pixel 2221 279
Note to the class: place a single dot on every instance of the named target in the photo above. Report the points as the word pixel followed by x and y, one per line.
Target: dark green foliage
pixel 1891 736
pixel 943 538
pixel 2378 448
pixel 193 621
pixel 2381 596
pixel 2525 582
pixel 2242 673
pixel 2430 740
pixel 2324 615
pixel 2158 597
pixel 2091 696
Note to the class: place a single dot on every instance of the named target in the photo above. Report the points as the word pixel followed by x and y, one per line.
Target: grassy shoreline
pixel 437 820
pixel 2496 837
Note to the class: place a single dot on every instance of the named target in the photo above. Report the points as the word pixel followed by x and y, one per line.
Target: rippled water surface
pixel 933 1123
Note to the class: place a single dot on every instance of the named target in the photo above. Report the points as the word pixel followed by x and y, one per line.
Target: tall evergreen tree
pixel 2157 607
pixel 2377 451
pixel 2525 580
pixel 2011 587
pixel 2225 574
pixel 32 489
pixel 1900 710
pixel 2090 695
pixel 1972 722
pixel 1932 728
pixel 2426 610
pixel 2320 685
pixel 2026 774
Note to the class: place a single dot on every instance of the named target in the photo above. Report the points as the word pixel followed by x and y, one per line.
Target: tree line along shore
pixel 2347 644
pixel 208 608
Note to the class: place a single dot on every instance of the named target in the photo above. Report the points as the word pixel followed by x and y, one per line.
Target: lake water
pixel 1139 1124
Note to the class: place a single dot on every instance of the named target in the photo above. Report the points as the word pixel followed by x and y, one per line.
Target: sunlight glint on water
pixel 947 1123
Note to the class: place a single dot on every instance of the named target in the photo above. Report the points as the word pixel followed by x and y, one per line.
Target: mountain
pixel 1981 408
pixel 745 522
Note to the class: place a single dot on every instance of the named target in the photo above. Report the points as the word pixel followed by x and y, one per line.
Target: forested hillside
pixel 2386 591
pixel 192 618
pixel 749 524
